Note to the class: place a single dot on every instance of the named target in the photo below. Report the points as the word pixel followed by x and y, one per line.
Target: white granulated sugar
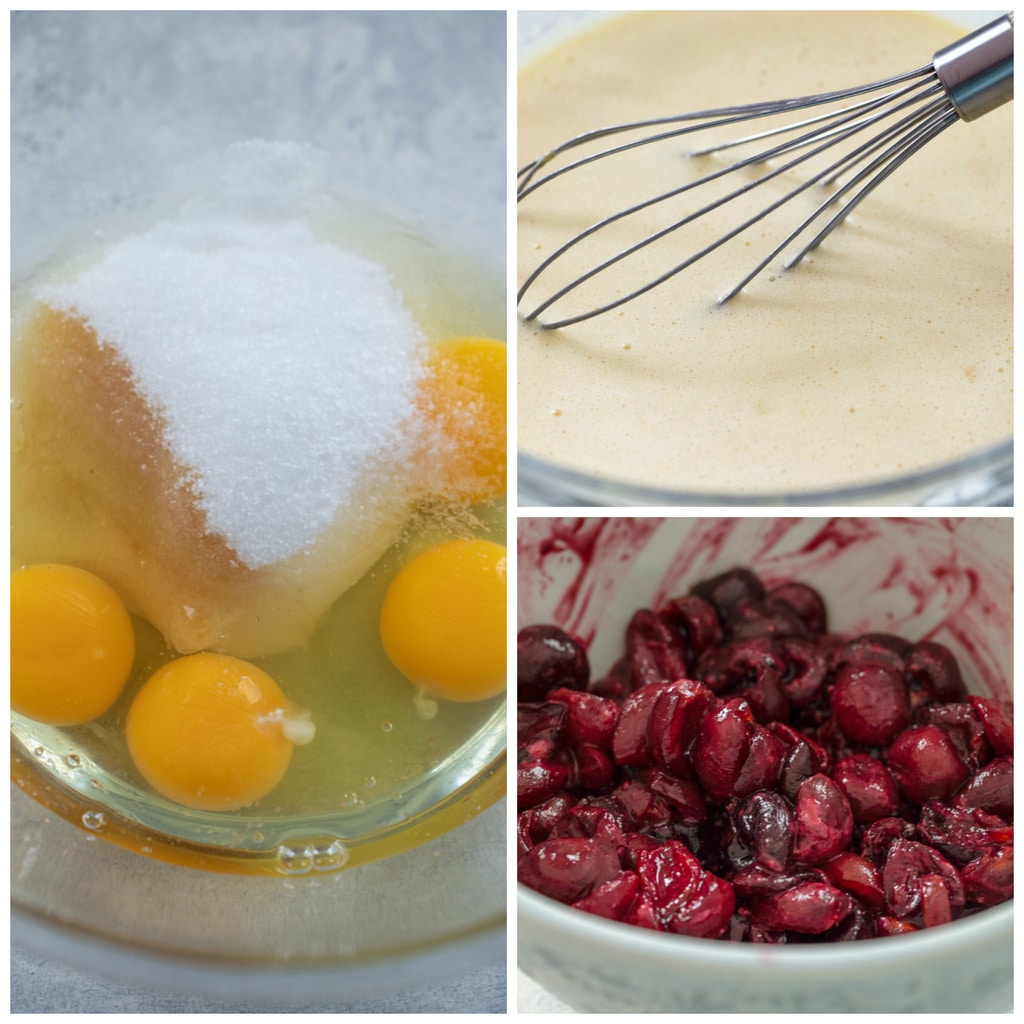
pixel 283 366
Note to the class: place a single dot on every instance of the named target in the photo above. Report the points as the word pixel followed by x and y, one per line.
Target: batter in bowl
pixel 886 352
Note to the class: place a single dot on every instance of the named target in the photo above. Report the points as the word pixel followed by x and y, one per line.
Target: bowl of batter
pixel 877 371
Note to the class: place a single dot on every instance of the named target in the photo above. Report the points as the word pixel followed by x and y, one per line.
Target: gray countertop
pixel 44 986
pixel 533 998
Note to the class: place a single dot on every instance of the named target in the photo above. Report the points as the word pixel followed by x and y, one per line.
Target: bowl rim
pixel 579 929
pixel 945 484
pixel 560 485
pixel 485 788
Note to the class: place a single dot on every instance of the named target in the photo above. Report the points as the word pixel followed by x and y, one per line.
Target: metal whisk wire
pixel 963 82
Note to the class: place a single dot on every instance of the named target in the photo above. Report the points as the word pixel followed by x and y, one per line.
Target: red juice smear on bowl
pixel 919 578
pixel 577 554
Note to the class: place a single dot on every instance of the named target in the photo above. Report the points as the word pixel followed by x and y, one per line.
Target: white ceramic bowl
pixel 949 579
pixel 113 111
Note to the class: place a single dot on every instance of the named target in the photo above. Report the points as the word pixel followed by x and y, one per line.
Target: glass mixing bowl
pixel 983 478
pixel 113 114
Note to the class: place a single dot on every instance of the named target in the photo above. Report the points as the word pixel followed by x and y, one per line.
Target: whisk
pixel 885 122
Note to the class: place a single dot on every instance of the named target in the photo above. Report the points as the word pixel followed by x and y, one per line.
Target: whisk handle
pixel 977 70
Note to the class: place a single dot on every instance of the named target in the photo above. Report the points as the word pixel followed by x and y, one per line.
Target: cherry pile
pixel 742 773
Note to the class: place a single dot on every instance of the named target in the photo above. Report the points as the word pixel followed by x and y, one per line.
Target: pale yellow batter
pixel 887 351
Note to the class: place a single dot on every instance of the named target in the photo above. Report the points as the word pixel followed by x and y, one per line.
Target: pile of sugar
pixel 284 368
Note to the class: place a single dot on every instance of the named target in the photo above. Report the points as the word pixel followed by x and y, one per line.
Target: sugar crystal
pixel 282 366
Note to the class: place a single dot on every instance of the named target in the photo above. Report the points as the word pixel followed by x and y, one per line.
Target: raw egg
pixel 442 621
pixel 72 644
pixel 213 732
pixel 463 397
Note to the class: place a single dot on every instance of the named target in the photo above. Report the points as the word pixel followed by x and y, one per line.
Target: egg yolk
pixel 213 732
pixel 442 621
pixel 463 397
pixel 72 644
